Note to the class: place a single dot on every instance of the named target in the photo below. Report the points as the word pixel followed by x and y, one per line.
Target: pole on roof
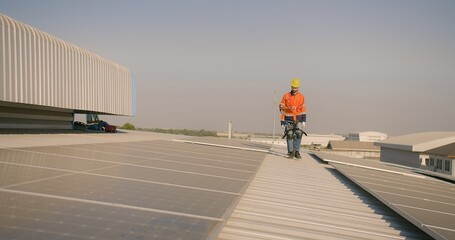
pixel 274 118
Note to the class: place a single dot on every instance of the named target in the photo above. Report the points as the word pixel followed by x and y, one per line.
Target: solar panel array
pixel 426 202
pixel 135 190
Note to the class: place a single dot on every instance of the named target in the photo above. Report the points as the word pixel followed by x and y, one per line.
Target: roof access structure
pixel 39 72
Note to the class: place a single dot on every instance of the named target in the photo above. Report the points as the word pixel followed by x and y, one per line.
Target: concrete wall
pixel 401 157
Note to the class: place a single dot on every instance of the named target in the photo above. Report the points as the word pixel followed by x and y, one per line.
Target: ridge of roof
pixel 419 142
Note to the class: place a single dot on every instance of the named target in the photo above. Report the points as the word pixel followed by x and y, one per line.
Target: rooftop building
pixel 354 149
pixel 44 80
pixel 367 136
pixel 428 150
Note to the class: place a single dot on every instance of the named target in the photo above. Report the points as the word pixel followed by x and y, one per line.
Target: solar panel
pixel 38 217
pixel 228 143
pixel 426 202
pixel 134 190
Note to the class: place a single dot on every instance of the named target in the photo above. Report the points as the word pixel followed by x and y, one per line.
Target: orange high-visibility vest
pixel 292 106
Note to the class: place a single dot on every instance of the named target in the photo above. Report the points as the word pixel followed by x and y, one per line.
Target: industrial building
pixel 44 80
pixel 433 151
pixel 354 149
pixel 366 136
pixel 442 159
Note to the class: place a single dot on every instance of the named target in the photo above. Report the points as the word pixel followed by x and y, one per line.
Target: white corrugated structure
pixel 41 70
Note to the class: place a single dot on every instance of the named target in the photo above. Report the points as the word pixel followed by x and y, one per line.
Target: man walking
pixel 293 118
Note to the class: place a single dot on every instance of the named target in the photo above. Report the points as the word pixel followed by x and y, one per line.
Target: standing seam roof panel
pixel 307 199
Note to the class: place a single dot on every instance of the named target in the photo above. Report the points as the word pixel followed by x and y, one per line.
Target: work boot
pixel 297 155
pixel 291 155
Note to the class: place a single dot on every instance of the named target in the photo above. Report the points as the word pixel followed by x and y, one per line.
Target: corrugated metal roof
pixel 384 166
pixel 308 199
pixel 366 163
pixel 427 202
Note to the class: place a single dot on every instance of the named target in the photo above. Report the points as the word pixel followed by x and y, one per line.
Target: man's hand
pixel 283 124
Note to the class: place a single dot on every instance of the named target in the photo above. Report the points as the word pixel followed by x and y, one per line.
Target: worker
pixel 293 118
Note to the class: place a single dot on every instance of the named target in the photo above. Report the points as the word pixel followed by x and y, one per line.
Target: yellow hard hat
pixel 295 83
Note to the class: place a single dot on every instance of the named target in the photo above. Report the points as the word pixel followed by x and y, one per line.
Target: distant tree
pixel 128 126
pixel 188 132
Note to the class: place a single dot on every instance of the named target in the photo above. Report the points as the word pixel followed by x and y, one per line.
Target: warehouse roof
pixel 427 202
pixel 419 142
pixel 309 199
pixel 446 150
pixel 147 186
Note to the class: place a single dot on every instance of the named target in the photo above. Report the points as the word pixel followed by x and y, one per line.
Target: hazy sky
pixel 386 66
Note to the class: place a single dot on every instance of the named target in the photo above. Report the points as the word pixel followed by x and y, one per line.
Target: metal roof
pixel 308 199
pixel 447 150
pixel 419 142
pixel 157 189
pixel 364 163
pixel 426 202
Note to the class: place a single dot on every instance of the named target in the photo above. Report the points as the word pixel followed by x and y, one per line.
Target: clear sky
pixel 386 66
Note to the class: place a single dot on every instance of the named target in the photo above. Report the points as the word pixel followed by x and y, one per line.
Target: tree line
pixel 188 132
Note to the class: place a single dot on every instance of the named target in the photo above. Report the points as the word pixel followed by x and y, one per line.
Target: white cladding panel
pixel 37 68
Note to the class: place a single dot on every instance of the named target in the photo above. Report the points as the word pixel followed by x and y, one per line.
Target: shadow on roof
pixel 52 131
